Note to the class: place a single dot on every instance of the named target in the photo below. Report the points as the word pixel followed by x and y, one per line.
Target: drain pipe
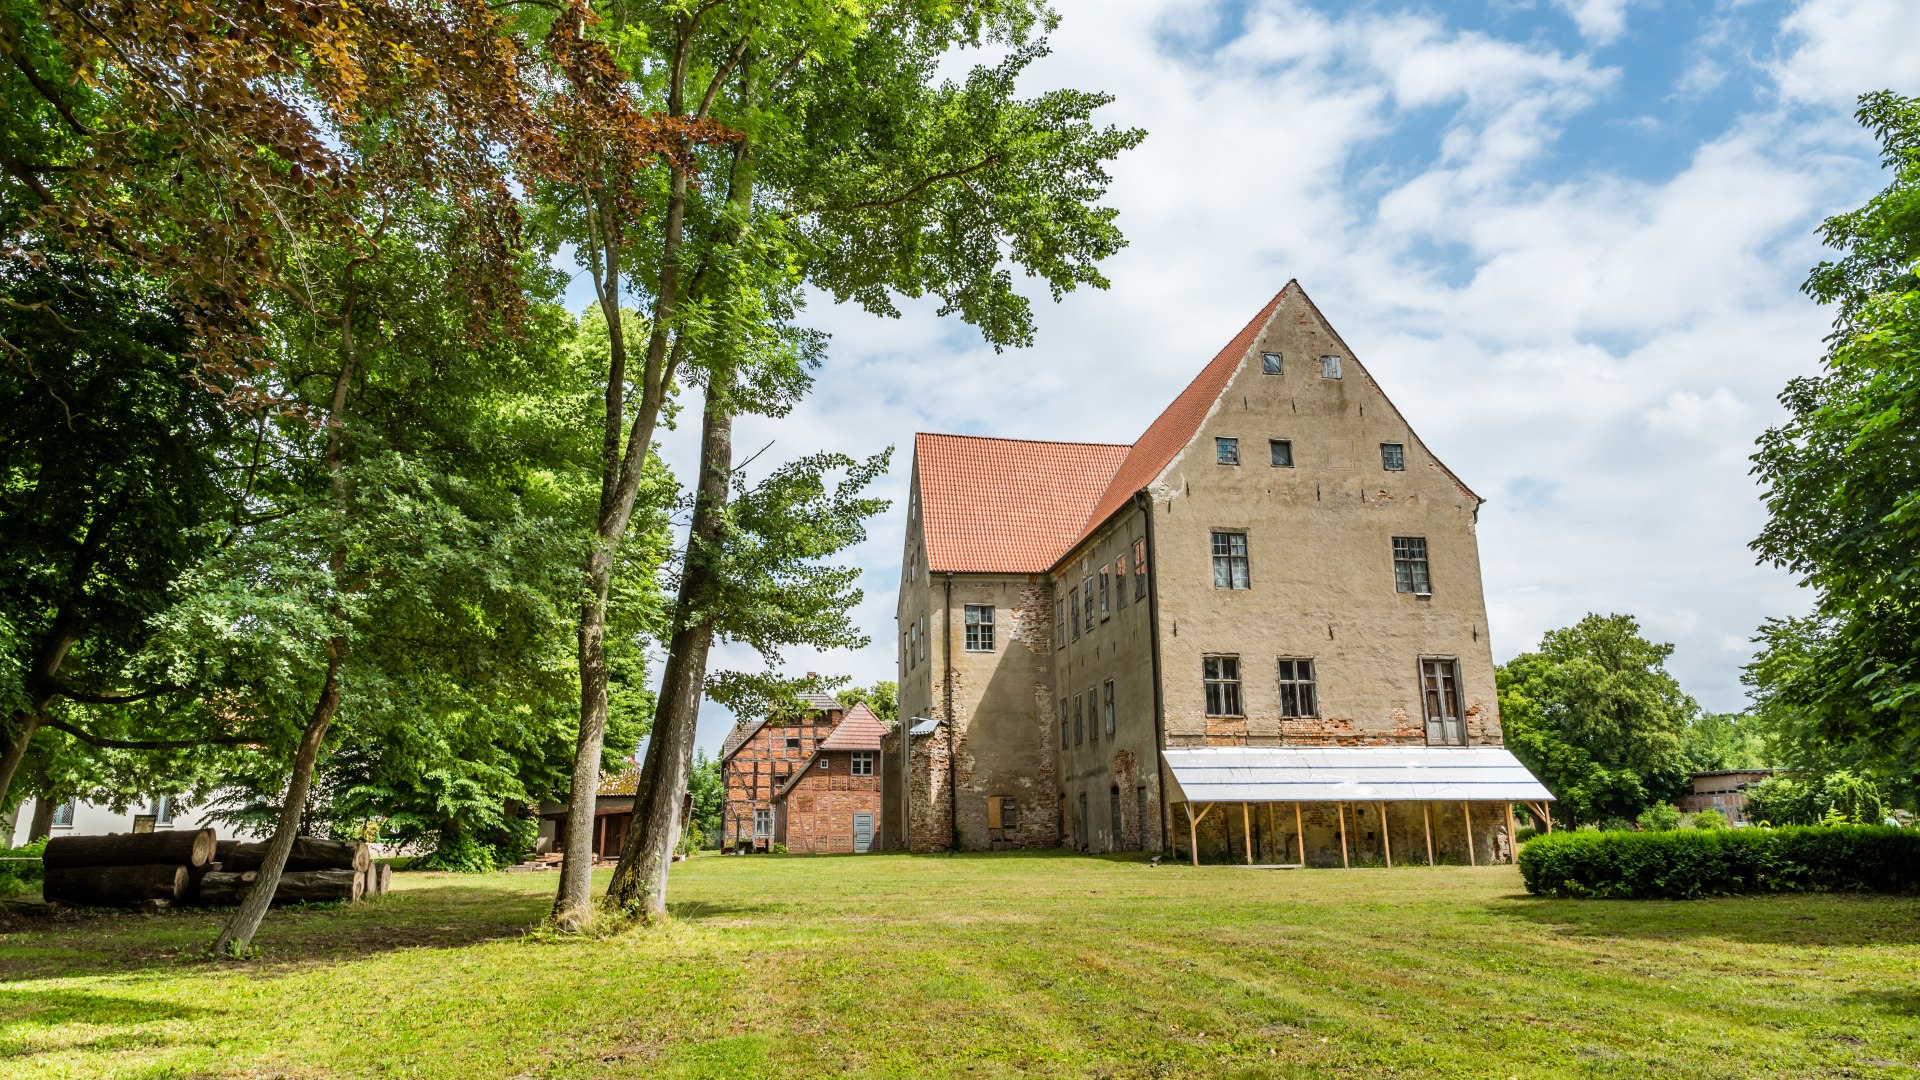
pixel 953 729
pixel 1145 501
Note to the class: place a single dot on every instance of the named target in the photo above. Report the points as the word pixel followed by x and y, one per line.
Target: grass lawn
pixel 997 965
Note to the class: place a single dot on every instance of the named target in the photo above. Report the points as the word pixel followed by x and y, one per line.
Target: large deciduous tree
pixel 1595 715
pixel 854 169
pixel 1842 479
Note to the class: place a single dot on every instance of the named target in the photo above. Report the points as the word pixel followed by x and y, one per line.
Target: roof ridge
pixel 1002 438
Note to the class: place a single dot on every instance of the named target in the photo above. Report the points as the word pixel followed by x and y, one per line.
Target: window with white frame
pixel 1410 566
pixel 1393 456
pixel 762 822
pixel 1140 568
pixel 1230 561
pixel 63 814
pixel 979 619
pixel 1329 367
pixel 1222 677
pixel 1270 363
pixel 863 763
pixel 1107 713
pixel 1297 697
pixel 163 810
pixel 1226 451
pixel 1281 450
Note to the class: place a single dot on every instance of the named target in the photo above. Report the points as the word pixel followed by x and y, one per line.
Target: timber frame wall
pixel 759 766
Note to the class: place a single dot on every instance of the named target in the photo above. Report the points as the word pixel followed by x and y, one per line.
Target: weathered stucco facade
pixel 1279 561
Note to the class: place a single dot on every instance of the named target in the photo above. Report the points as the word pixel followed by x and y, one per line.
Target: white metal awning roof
pixel 1351 774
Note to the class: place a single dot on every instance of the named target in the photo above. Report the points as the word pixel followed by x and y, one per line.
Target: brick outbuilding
pixel 832 803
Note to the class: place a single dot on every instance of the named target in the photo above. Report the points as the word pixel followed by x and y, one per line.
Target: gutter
pixel 1145 502
pixel 953 730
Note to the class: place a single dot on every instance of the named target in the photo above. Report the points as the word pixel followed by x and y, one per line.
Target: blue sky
pixel 1565 235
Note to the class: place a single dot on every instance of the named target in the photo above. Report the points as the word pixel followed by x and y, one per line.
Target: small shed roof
pixel 1351 774
pixel 925 726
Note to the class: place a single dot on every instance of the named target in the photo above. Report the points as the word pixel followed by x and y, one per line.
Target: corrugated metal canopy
pixel 1351 774
pixel 925 726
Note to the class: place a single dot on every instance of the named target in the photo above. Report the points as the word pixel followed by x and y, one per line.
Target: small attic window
pixel 1393 457
pixel 1270 363
pixel 1226 451
pixel 1329 367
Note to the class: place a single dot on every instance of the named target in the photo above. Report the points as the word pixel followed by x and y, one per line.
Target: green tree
pixel 1842 478
pixel 709 795
pixel 1717 741
pixel 1595 715
pixel 848 167
pixel 882 697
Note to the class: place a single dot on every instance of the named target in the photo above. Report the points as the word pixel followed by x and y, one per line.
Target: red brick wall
pixel 757 769
pixel 821 804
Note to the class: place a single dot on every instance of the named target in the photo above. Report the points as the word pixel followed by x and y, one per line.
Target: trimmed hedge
pixel 1690 864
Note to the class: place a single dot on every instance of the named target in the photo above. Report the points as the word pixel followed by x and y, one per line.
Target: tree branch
pixel 936 178
pixel 144 744
pixel 107 697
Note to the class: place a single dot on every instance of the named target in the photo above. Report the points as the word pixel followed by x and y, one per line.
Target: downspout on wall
pixel 953 729
pixel 1145 501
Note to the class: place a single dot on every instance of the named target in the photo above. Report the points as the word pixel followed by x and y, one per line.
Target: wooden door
pixel 863 832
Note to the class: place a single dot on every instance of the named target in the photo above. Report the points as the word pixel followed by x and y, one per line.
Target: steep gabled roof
pixel 860 729
pixel 1176 425
pixel 745 729
pixel 1010 506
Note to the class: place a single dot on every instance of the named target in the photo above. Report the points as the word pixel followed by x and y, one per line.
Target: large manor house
pixel 1255 634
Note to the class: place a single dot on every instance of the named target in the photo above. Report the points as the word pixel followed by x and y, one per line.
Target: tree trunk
pixel 114 886
pixel 179 847
pixel 307 853
pixel 41 824
pixel 640 881
pixel 237 937
pixel 619 486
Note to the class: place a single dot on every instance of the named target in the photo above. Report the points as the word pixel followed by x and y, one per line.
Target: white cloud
pixel 1593 350
pixel 1841 49
pixel 1600 21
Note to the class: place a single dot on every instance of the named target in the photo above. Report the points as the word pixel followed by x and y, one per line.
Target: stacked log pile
pixel 190 866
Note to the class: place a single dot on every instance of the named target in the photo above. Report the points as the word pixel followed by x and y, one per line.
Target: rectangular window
pixel 163 810
pixel 1410 566
pixel 1296 689
pixel 913 643
pixel 1063 723
pixel 1104 593
pixel 1073 606
pixel 63 814
pixel 762 823
pixel 1230 560
pixel 1086 592
pixel 1120 581
pixel 1107 715
pixel 1140 569
pixel 1329 367
pixel 1282 451
pixel 979 627
pixel 1222 675
pixel 1270 363
pixel 1440 686
pixel 1226 451
pixel 862 763
pixel 1059 624
pixel 1393 457
pixel 1079 720
pixel 793 742
pixel 923 635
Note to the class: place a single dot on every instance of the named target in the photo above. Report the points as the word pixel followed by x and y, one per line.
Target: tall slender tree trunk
pixel 46 665
pixel 40 825
pixel 237 937
pixel 640 881
pixel 621 470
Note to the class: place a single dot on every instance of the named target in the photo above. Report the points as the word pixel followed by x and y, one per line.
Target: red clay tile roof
pixel 1008 506
pixel 860 729
pixel 1174 428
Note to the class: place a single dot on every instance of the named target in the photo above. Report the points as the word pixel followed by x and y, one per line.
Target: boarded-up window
pixel 993 812
pixel 1329 367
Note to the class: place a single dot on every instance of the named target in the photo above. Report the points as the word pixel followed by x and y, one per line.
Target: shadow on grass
pixel 1892 1002
pixel 1842 920
pixel 28 1017
pixel 698 910
pixel 446 916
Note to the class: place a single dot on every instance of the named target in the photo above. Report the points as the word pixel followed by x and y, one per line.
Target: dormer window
pixel 1270 363
pixel 1329 367
pixel 1226 451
